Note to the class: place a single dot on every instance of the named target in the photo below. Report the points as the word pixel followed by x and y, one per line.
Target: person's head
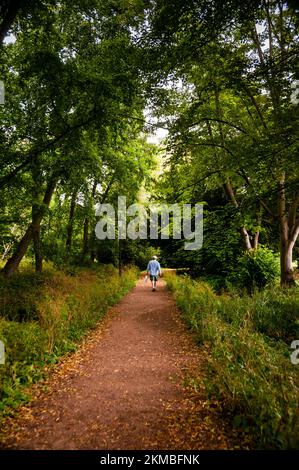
pixel 155 257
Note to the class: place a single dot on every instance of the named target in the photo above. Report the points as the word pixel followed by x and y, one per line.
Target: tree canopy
pixel 80 79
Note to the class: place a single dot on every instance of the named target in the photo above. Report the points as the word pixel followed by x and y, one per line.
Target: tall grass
pixel 249 366
pixel 43 317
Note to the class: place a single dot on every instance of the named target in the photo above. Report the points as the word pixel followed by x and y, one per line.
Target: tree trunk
pixel 256 240
pixel 35 225
pixel 13 262
pixel 6 248
pixel 120 262
pixel 70 226
pixel 103 199
pixel 246 239
pixel 287 278
pixel 289 231
pixel 259 223
pixel 231 197
pixel 92 251
pixel 86 241
pixel 227 185
pixel 86 236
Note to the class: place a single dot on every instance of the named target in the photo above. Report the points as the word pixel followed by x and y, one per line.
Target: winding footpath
pixel 128 386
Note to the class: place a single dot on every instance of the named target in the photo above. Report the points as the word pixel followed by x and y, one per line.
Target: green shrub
pixel 66 307
pixel 256 269
pixel 276 313
pixel 247 369
pixel 19 296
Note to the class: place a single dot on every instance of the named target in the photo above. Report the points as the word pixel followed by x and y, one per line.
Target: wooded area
pixel 219 77
pixel 87 86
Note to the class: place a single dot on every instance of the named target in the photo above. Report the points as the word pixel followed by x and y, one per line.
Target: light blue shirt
pixel 153 267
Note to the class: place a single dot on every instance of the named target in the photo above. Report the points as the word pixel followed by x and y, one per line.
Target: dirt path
pixel 123 388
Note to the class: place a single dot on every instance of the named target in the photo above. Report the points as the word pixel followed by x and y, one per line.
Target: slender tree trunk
pixel 120 262
pixel 286 268
pixel 255 105
pixel 246 239
pixel 289 230
pixel 13 262
pixel 7 248
pixel 256 240
pixel 36 232
pixel 259 223
pixel 86 236
pixel 86 241
pixel 227 185
pixel 92 251
pixel 244 234
pixel 103 199
pixel 272 85
pixel 70 227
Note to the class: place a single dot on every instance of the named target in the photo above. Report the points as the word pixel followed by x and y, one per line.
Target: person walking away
pixel 154 270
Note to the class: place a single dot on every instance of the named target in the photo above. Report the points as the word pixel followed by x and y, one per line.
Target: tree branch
pixel 33 154
pixel 294 232
pixel 219 121
pixel 293 212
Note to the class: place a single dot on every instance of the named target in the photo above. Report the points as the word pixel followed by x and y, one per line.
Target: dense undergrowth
pixel 44 316
pixel 249 367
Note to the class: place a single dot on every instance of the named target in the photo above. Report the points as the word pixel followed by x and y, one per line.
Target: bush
pixel 249 366
pixel 275 313
pixel 19 296
pixel 256 269
pixel 66 307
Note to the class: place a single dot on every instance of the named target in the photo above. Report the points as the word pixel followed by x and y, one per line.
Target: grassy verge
pixel 249 366
pixel 43 317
